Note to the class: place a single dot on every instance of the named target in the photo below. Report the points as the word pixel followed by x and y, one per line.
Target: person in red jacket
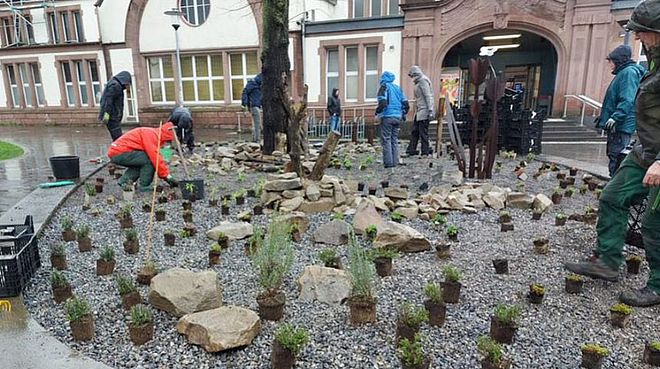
pixel 139 151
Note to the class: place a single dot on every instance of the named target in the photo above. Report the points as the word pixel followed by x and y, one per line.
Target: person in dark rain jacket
pixel 182 119
pixel 112 103
pixel 334 109
pixel 251 100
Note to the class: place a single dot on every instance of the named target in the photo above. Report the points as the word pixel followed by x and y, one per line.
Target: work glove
pixel 171 181
pixel 244 108
pixel 106 118
pixel 609 125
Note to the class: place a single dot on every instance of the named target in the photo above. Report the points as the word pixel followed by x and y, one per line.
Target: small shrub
pixel 595 348
pixel 490 349
pixel 396 217
pixel 412 315
pixel 432 292
pixel 292 339
pixel 242 177
pixel 107 254
pixel 383 252
pixel 636 258
pixel 575 278
pixel 58 279
pixel 131 234
pixel 439 220
pixel 338 216
pixel 259 187
pixel 531 157
pixel 557 190
pixel 412 353
pixel 90 190
pixel 560 216
pixel 184 233
pixel 505 213
pixel 67 223
pixel 83 231
pixel 327 256
pixel 125 285
pixel 239 194
pixel 151 265
pixel 520 186
pixel 273 259
pixel 655 345
pixel 583 189
pixel 452 230
pixel 537 289
pixel 140 315
pixel 361 270
pixel 126 210
pixel 451 273
pixel 507 314
pixel 570 191
pixel 190 187
pixel 621 309
pixel 58 250
pixel 215 248
pixel 169 232
pixel 589 210
pixel 371 231
pixel 347 164
pixel 76 308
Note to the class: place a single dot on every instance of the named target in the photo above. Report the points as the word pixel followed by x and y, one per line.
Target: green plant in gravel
pixel 67 223
pixel 589 210
pixel 583 190
pixel 490 349
pixel 439 220
pixel 636 258
pixel 272 261
pixel 570 191
pixel 242 177
pixel 396 217
pixel 239 194
pixel 507 314
pixel 433 292
pixel 58 279
pixel 257 238
pixel 412 353
pixel 537 289
pixel 371 231
pixel 58 250
pixel 215 248
pixel 184 233
pixel 560 216
pixel 383 252
pixel 131 234
pixel 338 216
pixel 140 315
pixel 126 210
pixel 655 345
pixel 452 230
pixel 90 190
pixel 347 164
pixel 413 316
pixel 83 231
pixel 327 256
pixel 151 265
pixel 190 187
pixel 76 308
pixel 531 157
pixel 361 270
pixel 595 348
pixel 107 254
pixel 451 273
pixel 520 186
pixel 621 309
pixel 125 285
pixel 291 338
pixel 574 277
pixel 557 190
pixel 259 187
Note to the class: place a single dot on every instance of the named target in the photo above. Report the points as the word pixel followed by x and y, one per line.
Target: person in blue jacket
pixel 392 109
pixel 251 100
pixel 618 113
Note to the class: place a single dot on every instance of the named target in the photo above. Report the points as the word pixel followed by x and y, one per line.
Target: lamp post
pixel 175 18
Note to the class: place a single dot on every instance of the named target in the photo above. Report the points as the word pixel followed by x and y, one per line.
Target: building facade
pixel 56 56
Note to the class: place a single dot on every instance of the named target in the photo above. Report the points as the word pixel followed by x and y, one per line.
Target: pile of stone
pixel 287 192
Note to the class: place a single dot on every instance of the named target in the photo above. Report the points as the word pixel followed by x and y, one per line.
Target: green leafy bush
pixel 371 231
pixel 338 216
pixel 490 349
pixel 383 252
pixel 507 314
pixel 131 234
pixel 537 289
pixel 90 190
pixel 413 316
pixel 439 220
pixel 76 308
pixel 215 248
pixel 58 279
pixel 621 309
pixel 125 285
pixel 327 256
pixel 83 231
pixel 67 223
pixel 140 315
pixel 58 250
pixel 396 217
pixel 361 270
pixel 451 273
pixel 574 278
pixel 655 345
pixel 412 353
pixel 452 230
pixel 595 348
pixel 292 339
pixel 107 254
pixel 433 293
pixel 274 258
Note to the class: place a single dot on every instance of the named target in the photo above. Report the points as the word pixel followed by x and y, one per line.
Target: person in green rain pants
pixel 637 177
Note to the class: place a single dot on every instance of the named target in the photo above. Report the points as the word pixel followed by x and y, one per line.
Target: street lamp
pixel 175 18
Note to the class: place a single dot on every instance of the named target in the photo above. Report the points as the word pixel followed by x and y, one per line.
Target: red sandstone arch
pixel 555 40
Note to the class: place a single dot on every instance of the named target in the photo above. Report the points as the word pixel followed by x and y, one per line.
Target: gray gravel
pixel 550 335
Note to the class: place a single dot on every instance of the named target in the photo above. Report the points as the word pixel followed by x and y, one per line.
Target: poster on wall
pixel 450 84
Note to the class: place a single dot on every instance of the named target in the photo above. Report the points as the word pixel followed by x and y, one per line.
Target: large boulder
pixel 408 212
pixel 290 205
pixel 366 215
pixel 235 231
pixel 401 237
pixel 496 200
pixel 327 285
pixel 322 205
pixel 283 185
pixel 180 291
pixel 313 192
pixel 519 200
pixel 542 203
pixel 454 177
pixel 333 233
pixel 220 329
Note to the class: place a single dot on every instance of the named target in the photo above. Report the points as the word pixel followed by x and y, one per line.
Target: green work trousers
pixel 624 189
pixel 137 165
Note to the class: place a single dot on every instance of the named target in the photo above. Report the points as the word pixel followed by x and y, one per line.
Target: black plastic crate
pixel 19 257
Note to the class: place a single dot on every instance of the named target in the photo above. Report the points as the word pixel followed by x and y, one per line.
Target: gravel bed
pixel 550 335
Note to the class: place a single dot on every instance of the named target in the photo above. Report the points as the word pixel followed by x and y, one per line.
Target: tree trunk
pixel 324 156
pixel 295 134
pixel 275 71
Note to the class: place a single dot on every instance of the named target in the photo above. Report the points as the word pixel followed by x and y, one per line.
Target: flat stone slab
pixel 235 231
pixel 180 291
pixel 328 285
pixel 220 329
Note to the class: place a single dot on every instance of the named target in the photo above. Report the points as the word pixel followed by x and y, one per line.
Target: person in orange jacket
pixel 139 151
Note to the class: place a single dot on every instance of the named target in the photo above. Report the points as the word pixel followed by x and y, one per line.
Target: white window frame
pixel 243 76
pixel 7 25
pixel 389 7
pixel 210 78
pixel 13 86
pixel 78 29
pixel 162 79
pixel 96 83
pixel 329 74
pixel 27 90
pixel 70 100
pixel 54 31
pixel 82 81
pixel 198 7
pixel 355 73
pixel 38 86
pixel 369 72
pixel 371 8
pixel 65 28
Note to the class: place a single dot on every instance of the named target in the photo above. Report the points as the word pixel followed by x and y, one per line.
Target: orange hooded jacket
pixel 145 139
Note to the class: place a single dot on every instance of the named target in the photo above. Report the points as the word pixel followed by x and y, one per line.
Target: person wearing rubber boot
pixel 182 119
pixel 139 151
pixel 637 177
pixel 112 103
pixel 423 114
pixel 618 112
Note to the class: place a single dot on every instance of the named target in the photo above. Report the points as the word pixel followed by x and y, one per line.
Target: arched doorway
pixel 525 59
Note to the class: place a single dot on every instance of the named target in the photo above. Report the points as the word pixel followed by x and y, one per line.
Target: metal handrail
pixel 584 100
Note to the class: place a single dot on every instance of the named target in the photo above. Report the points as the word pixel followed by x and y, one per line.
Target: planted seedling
pixel 593 355
pixel 652 353
pixel 536 293
pixel 68 234
pixel 82 235
pixel 371 231
pixel 409 321
pixel 338 216
pixel 505 216
pixel 81 321
pixel 396 217
pixel 504 323
pixel 58 257
pixel 141 327
pixel 573 283
pixel 560 219
pixel 620 315
pixel 492 353
pixel 105 264
pixel 541 245
pixel 452 232
pixel 60 286
pixel 242 177
pixel 412 353
pixel 329 258
pixel 382 258
pixel 288 344
pixel 147 272
pixel 361 302
pixel 348 165
pixel 435 305
pixel 451 287
pixel 438 220
pixel 132 243
pixel 569 192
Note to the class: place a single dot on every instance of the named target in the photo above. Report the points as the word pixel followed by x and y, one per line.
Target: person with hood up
pixel 139 151
pixel 334 109
pixel 424 111
pixel 618 113
pixel 392 109
pixel 182 119
pixel 112 103
pixel 251 100
pixel 638 176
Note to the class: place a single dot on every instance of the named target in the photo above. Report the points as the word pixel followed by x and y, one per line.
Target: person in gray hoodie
pixel 424 112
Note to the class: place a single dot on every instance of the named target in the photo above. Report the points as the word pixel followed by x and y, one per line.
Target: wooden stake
pixel 183 159
pixel 150 229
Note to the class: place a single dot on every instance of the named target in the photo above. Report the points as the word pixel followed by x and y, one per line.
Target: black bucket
pixel 65 167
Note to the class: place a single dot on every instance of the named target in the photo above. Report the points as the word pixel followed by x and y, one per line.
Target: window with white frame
pixel 78 26
pixel 375 8
pixel 25 76
pixel 243 67
pixel 38 85
pixel 351 76
pixel 68 84
pixel 358 8
pixel 393 7
pixel 161 79
pixel 66 27
pixel 69 22
pixel 195 12
pixel 203 78
pixel 13 85
pixel 96 81
pixel 27 90
pixel 332 71
pixel 52 26
pixel 82 82
pixel 371 73
pixel 8 31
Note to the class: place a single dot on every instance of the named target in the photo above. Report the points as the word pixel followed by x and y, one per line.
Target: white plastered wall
pixel 122 59
pixel 391 57
pixel 112 17
pixel 317 10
